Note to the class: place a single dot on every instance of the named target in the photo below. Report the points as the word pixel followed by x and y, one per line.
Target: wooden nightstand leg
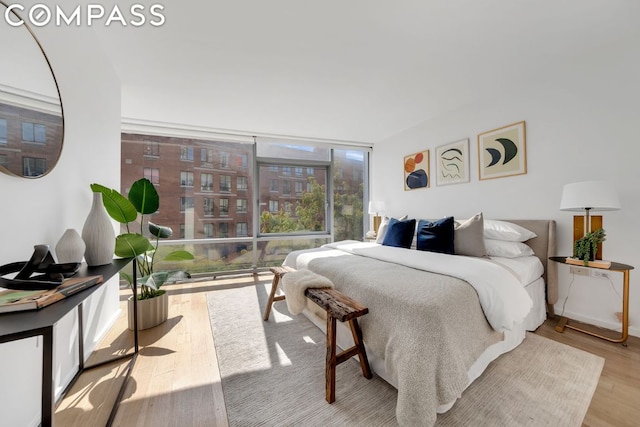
pixel 562 323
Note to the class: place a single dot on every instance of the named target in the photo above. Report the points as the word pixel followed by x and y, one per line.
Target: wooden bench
pixel 345 309
pixel 278 272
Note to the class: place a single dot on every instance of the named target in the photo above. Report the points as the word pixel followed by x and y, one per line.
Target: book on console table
pixel 14 300
pixel 595 264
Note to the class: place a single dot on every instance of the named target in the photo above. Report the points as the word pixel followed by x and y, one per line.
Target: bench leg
pixel 330 371
pixel 272 296
pixel 362 354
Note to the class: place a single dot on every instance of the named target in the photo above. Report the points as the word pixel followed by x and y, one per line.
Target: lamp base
pixel 578 229
pixel 376 223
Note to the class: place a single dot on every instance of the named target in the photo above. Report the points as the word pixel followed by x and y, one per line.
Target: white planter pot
pixel 151 312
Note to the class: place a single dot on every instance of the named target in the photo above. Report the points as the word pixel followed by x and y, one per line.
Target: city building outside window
pixel 241 183
pixel 186 179
pixel 305 209
pixel 207 155
pixel 241 229
pixel 152 174
pixel 224 206
pixel 186 203
pixel 224 229
pixel 224 159
pixel 206 182
pixel 3 131
pixel 33 132
pixel 225 183
pixel 241 206
pixel 151 149
pixel 208 230
pixel 33 166
pixel 208 206
pixel 243 161
pixel 349 203
pixel 186 154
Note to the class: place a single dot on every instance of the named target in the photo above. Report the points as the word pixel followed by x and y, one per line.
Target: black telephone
pixel 51 274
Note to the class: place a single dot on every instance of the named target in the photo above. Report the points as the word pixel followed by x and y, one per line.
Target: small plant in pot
pixel 143 199
pixel 586 247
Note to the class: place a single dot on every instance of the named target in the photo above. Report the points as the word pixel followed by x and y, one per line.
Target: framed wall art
pixel 502 152
pixel 416 171
pixel 452 163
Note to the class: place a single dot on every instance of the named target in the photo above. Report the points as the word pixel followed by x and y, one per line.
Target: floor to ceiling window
pixel 240 206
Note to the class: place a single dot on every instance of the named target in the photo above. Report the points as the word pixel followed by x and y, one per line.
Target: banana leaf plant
pixel 142 199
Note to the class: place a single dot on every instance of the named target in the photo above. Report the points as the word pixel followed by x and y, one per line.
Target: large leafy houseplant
pixel 586 247
pixel 142 199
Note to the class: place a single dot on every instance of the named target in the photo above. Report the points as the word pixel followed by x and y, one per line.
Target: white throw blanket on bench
pixel 296 282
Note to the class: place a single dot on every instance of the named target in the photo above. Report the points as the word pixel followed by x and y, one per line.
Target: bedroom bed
pixel 428 332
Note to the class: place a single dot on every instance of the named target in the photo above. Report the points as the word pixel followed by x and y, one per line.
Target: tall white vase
pixel 98 234
pixel 70 247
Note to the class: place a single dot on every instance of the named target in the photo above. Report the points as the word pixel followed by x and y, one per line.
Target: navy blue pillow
pixel 436 236
pixel 399 233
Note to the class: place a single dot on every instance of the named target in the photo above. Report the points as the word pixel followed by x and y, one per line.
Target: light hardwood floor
pixel 176 380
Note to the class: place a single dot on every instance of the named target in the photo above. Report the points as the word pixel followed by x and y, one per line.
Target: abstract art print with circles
pixel 416 171
pixel 502 152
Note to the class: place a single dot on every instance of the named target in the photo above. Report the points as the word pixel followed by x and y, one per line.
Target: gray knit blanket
pixel 428 328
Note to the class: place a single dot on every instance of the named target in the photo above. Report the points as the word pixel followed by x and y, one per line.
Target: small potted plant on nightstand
pixel 142 199
pixel 586 247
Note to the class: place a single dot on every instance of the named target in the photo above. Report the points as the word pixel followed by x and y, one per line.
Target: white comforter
pixel 502 297
pixel 425 321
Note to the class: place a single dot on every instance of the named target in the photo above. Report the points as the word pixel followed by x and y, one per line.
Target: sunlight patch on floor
pixel 282 356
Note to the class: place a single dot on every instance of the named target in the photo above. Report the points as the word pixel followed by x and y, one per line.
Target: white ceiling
pixel 358 70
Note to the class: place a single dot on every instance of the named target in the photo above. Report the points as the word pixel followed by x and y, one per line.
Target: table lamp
pixel 588 197
pixel 375 208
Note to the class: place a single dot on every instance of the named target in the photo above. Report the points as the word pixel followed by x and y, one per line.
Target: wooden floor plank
pixel 176 377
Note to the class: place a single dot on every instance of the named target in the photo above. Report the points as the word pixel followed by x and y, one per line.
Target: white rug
pixel 273 375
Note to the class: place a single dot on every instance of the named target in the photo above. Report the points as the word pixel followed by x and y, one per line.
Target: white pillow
pixel 506 249
pixel 503 230
pixel 382 230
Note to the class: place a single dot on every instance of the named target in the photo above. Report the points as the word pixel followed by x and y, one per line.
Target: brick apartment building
pixel 206 187
pixel 30 140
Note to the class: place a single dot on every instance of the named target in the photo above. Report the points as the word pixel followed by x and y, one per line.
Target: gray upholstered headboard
pixel 544 247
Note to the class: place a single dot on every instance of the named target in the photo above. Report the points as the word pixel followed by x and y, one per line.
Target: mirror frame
pixel 57 87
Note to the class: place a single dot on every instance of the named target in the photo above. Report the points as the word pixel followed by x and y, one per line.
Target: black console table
pixel 26 324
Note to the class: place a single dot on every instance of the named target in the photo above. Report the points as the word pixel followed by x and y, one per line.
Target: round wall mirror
pixel 31 119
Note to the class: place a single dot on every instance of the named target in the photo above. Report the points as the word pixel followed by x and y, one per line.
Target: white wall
pixel 581 124
pixel 39 210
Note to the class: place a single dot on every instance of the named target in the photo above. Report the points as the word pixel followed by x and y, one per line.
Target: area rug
pixel 273 375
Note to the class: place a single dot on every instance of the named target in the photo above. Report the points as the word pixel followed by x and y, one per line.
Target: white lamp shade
pixel 376 208
pixel 593 195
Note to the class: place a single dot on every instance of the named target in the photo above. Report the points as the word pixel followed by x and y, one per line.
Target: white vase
pixel 98 234
pixel 70 248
